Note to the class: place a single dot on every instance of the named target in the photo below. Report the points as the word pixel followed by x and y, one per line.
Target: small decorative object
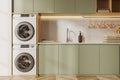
pixel 118 30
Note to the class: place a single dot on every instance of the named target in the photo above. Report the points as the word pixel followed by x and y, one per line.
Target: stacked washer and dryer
pixel 24 44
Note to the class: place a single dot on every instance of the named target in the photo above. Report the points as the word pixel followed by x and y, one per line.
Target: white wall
pixel 5 37
pixel 55 29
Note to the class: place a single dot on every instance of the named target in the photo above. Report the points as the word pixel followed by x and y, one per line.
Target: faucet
pixel 68 35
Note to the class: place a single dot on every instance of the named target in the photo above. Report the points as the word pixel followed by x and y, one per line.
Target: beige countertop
pixel 76 43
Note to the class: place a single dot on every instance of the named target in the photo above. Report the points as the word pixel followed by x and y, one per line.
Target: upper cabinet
pixel 86 6
pixel 64 6
pixel 44 6
pixel 55 6
pixel 23 6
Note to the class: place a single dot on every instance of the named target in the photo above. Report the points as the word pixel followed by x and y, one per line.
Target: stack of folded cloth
pixel 112 39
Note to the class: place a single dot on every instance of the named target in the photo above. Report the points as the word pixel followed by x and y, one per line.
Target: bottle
pixel 80 38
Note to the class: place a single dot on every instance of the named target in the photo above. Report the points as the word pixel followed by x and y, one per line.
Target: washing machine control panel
pixel 24 46
pixel 24 15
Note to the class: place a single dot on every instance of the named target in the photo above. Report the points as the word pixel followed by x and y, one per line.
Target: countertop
pixel 76 43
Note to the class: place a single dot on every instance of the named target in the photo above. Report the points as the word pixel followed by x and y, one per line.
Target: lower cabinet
pixel 83 59
pixel 68 59
pixel 99 59
pixel 109 59
pixel 88 59
pixel 58 59
pixel 48 59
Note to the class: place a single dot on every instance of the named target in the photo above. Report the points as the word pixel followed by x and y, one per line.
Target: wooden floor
pixel 62 78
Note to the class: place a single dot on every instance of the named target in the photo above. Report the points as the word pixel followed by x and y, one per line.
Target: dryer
pixel 24 59
pixel 24 28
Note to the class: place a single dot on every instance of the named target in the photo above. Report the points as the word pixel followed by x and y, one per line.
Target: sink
pixel 48 41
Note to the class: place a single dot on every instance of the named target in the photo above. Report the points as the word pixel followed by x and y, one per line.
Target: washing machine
pixel 24 59
pixel 24 28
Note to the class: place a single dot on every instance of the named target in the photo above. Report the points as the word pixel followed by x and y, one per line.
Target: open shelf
pixel 103 5
pixel 108 5
pixel 115 5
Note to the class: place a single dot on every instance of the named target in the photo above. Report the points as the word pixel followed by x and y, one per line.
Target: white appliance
pixel 24 28
pixel 24 59
pixel 24 44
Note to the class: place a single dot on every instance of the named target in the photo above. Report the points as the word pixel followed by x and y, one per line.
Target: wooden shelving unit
pixel 116 6
pixel 39 28
pixel 113 6
pixel 102 4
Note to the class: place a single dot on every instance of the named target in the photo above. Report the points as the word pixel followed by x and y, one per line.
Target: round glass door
pixel 24 62
pixel 24 31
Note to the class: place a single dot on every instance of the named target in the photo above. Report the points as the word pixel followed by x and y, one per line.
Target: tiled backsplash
pixel 56 30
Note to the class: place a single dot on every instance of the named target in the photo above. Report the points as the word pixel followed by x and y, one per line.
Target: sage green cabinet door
pixel 86 6
pixel 109 59
pixel 48 59
pixel 44 6
pixel 89 59
pixel 68 59
pixel 64 6
pixel 21 6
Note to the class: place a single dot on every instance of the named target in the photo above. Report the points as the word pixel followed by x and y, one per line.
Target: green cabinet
pixel 54 6
pixel 88 59
pixel 48 59
pixel 68 59
pixel 21 6
pixel 44 6
pixel 83 59
pixel 109 59
pixel 86 6
pixel 64 6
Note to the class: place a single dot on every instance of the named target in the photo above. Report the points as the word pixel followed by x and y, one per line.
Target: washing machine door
pixel 24 62
pixel 24 31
